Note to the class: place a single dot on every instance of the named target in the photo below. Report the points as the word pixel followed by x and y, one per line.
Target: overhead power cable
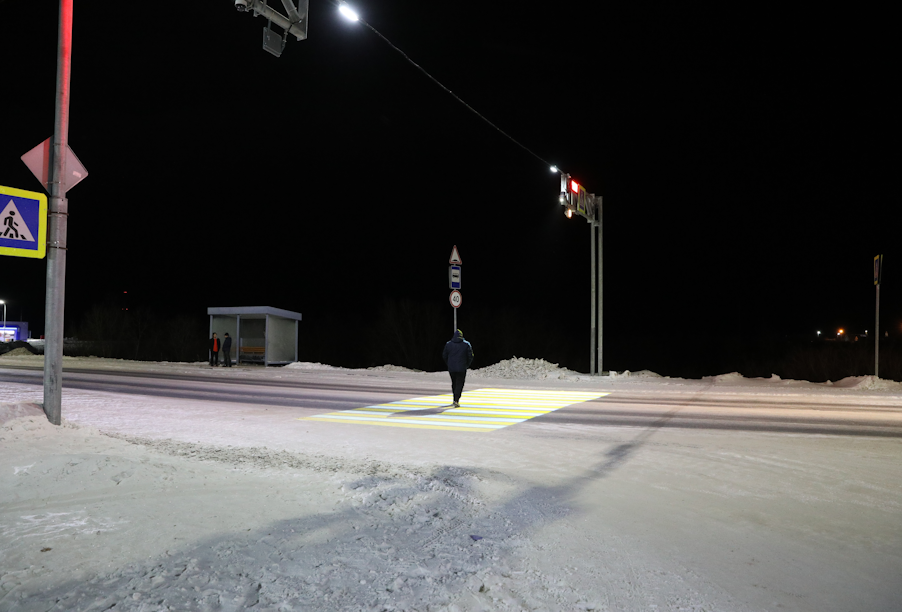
pixel 437 82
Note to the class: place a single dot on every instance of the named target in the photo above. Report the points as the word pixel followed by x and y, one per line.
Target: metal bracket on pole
pixel 295 23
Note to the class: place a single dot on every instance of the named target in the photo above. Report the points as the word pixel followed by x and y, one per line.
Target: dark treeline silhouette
pixel 759 356
pixel 412 334
pixel 108 330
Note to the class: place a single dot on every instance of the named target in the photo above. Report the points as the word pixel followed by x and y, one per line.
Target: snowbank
pixel 852 383
pixel 392 368
pixel 94 521
pixel 524 368
pixel 310 365
pixel 867 383
pixel 646 374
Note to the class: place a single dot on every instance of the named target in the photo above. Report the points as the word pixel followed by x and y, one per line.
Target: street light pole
pixel 4 319
pixel 58 216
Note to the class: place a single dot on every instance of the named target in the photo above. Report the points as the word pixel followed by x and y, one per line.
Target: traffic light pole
pixel 878 275
pixel 596 343
pixel 597 226
pixel 593 315
pixel 58 214
pixel 575 199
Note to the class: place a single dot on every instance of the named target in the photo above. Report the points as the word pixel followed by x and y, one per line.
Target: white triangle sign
pixel 12 227
pixel 455 256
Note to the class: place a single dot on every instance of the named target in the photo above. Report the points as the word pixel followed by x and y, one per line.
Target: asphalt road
pixel 852 415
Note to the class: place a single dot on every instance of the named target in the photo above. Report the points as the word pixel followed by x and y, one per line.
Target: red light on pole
pixel 574 186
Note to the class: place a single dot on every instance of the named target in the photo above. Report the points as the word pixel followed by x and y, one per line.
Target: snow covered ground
pixel 147 503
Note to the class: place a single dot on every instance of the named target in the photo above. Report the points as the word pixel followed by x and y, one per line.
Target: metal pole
pixel 266 343
pixel 592 326
pixel 877 337
pixel 455 321
pixel 58 226
pixel 238 340
pixel 600 292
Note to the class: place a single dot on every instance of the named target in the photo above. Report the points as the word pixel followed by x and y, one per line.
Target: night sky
pixel 744 158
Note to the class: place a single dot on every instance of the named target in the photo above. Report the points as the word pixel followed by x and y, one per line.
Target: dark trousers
pixel 227 358
pixel 214 358
pixel 457 384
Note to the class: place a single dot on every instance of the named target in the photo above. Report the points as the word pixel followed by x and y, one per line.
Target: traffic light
pixel 575 199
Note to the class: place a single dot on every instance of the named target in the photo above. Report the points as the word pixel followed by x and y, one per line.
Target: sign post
pixel 49 163
pixel 454 281
pixel 878 274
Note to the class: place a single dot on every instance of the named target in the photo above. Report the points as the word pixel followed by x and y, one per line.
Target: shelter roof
pixel 254 312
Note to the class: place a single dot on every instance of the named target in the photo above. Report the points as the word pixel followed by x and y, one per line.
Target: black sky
pixel 744 158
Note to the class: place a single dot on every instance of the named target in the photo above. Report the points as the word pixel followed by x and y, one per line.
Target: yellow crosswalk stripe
pixel 480 410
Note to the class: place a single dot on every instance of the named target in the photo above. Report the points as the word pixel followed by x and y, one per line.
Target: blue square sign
pixel 454 277
pixel 23 223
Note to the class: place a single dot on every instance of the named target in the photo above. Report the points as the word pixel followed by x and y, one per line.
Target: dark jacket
pixel 458 353
pixel 218 342
pixel 227 344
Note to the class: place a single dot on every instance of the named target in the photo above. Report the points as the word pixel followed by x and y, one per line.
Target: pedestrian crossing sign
pixel 23 223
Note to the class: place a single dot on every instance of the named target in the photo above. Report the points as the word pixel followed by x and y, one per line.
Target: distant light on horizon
pixel 348 12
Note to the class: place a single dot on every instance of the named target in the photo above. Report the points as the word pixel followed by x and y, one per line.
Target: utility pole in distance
pixel 878 275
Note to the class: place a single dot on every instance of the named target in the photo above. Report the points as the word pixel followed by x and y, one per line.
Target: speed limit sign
pixel 456 298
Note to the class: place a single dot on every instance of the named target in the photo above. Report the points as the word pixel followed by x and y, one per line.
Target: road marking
pixel 480 410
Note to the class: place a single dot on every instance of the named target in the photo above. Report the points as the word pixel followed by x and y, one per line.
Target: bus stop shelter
pixel 259 333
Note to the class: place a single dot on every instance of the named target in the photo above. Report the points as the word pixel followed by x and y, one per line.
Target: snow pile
pixel 868 383
pixel 732 377
pixel 9 412
pixel 310 365
pixel 735 378
pixel 307 365
pixel 857 383
pixel 640 374
pixel 255 528
pixel 392 368
pixel 524 368
pixel 22 352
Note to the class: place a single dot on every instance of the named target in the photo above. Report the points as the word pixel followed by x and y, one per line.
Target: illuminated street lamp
pixel 348 13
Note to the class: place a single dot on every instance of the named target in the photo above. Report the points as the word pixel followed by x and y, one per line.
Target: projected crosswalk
pixel 480 410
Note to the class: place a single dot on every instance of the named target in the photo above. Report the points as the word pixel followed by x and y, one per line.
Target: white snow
pixel 148 503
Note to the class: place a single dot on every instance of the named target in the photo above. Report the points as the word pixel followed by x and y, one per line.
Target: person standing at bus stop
pixel 227 350
pixel 215 347
pixel 458 356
